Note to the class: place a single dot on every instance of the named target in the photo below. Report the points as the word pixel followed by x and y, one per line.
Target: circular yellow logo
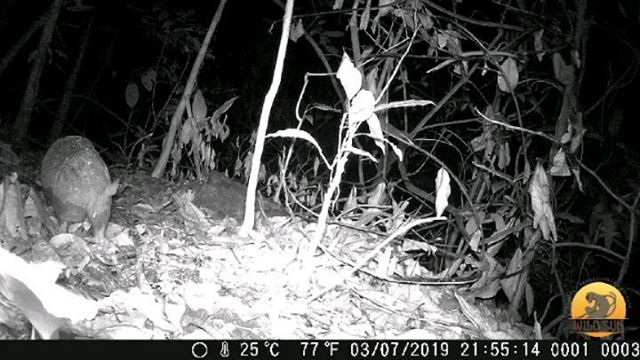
pixel 598 309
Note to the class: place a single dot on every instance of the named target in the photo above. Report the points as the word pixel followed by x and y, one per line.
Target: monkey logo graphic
pixel 603 305
pixel 598 309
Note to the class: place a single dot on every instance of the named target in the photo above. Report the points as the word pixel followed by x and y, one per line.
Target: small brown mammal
pixel 77 184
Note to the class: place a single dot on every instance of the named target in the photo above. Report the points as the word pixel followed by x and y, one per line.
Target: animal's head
pixel 100 211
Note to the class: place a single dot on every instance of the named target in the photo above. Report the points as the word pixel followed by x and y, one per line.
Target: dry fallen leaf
pixel 540 191
pixel 32 288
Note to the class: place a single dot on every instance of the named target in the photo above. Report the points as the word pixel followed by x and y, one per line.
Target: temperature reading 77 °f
pixel 252 349
pixel 309 348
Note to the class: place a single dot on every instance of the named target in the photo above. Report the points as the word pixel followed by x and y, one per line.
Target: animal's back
pixel 76 181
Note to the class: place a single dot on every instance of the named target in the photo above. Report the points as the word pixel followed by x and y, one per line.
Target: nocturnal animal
pixel 77 184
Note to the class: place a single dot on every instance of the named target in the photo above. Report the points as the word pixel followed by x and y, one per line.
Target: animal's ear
pixel 112 188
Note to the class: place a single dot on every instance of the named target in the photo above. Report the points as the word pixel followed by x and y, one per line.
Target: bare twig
pixel 473 21
pixel 632 239
pixel 608 190
pixel 614 255
pixel 514 127
pixel 353 30
pixel 395 70
pixel 401 231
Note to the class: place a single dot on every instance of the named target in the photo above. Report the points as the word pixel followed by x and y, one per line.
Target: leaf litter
pixel 173 272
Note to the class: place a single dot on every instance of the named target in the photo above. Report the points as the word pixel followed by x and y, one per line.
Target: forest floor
pixel 175 270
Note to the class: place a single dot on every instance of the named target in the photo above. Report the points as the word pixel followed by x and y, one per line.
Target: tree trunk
pixel 63 110
pixel 15 49
pixel 23 119
pixel 167 144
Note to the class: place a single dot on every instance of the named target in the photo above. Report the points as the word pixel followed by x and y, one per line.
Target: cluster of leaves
pixel 500 81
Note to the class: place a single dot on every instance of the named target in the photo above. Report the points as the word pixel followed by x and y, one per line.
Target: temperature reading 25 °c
pixel 252 348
